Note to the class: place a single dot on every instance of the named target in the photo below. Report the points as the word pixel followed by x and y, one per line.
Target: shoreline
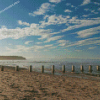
pixel 57 72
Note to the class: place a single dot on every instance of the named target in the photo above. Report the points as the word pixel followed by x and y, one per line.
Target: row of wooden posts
pixel 53 68
pixel 63 69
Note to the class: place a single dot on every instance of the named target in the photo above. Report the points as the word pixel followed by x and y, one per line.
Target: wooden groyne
pixel 53 69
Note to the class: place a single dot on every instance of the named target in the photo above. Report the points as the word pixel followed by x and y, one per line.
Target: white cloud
pixel 63 42
pixel 69 4
pixel 89 41
pixel 86 9
pixel 18 48
pixel 23 32
pixel 45 7
pixel 23 49
pixel 91 47
pixel 50 45
pixel 45 36
pixel 74 21
pixel 27 42
pixel 78 50
pixel 88 32
pixel 9 44
pixel 36 53
pixel 23 23
pixel 55 1
pixel 85 15
pixel 99 9
pixel 53 38
pixel 67 10
pixel 3 27
pixel 91 11
pixel 39 43
pixel 53 20
pixel 36 47
pixel 97 3
pixel 32 30
pixel 38 50
pixel 81 23
pixel 85 2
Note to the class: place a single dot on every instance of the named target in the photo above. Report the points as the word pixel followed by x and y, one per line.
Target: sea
pixel 36 65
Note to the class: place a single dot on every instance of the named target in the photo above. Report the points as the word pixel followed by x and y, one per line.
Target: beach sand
pixel 25 85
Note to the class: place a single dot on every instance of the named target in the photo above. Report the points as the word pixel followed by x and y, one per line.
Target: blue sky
pixel 50 29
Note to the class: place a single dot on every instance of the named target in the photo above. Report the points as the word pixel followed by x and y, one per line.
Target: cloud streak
pixel 27 42
pixel 34 48
pixel 89 32
pixel 23 23
pixel 9 6
pixel 32 30
pixel 78 23
pixel 53 38
pixel 45 7
pixel 67 10
pixel 89 41
pixel 85 2
pixel 55 1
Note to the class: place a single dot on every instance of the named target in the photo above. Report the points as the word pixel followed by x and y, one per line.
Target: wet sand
pixel 25 85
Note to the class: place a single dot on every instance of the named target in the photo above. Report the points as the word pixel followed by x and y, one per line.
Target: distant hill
pixel 12 58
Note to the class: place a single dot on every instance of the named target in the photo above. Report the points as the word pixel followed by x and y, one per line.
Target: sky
pixel 50 29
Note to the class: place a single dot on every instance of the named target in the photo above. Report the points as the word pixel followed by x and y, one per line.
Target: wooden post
pixel 90 68
pixel 42 70
pixel 73 68
pixel 30 68
pixel 63 68
pixel 17 68
pixel 98 68
pixel 2 68
pixel 82 69
pixel 53 70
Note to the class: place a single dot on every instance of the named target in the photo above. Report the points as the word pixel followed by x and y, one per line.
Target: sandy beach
pixel 25 85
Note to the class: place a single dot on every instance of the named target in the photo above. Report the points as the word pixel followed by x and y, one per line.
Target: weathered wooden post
pixel 90 68
pixel 73 68
pixel 53 69
pixel 98 68
pixel 17 68
pixel 30 68
pixel 42 70
pixel 2 68
pixel 63 68
pixel 82 69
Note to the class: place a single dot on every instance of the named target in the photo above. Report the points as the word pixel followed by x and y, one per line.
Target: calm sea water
pixel 47 65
